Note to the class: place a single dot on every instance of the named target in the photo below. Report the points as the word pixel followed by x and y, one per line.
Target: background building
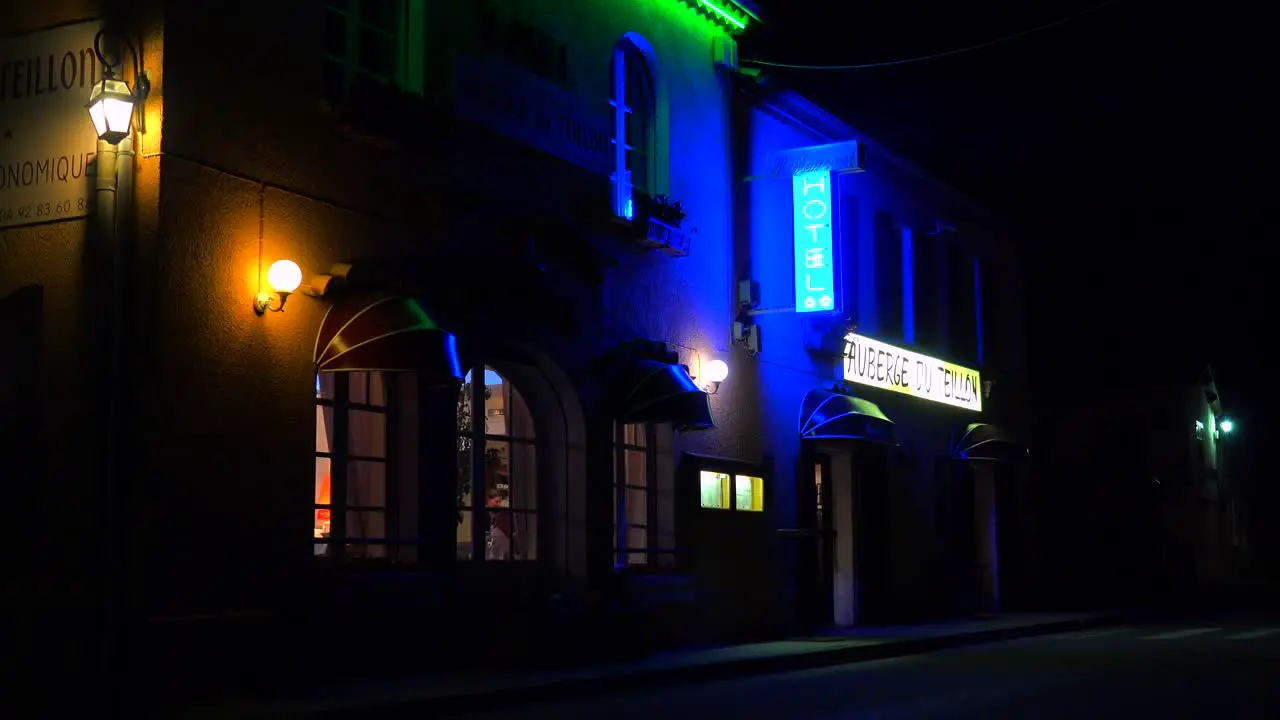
pixel 1146 494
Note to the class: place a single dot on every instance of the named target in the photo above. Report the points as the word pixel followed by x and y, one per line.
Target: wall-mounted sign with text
pixel 816 276
pixel 871 362
pixel 46 140
pixel 534 111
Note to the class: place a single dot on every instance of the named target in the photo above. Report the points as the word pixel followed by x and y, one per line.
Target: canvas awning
pixel 985 441
pixel 649 391
pixel 389 333
pixel 826 415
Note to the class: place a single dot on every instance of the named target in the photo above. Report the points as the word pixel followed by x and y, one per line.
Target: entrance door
pixel 846 567
pixel 967 516
pixel 824 587
pixel 870 485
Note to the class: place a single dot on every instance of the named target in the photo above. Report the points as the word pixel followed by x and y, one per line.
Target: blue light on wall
pixel 816 289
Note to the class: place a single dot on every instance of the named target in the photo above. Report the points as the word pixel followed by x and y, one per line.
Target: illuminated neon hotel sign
pixel 871 362
pixel 812 171
pixel 815 270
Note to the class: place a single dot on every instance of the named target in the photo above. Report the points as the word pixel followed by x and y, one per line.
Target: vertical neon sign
pixel 815 267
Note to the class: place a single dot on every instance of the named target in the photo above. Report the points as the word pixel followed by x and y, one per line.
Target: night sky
pixel 1126 141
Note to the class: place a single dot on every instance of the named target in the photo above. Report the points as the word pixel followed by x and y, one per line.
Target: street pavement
pixel 1219 669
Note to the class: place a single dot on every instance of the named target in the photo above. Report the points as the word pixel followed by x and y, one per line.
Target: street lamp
pixel 1226 425
pixel 111 108
pixel 111 102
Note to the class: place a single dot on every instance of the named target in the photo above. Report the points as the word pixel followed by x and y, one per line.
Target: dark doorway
pixel 20 319
pixel 821 588
pixel 844 568
pixel 871 535
pixel 20 315
pixel 958 540
pixel 977 536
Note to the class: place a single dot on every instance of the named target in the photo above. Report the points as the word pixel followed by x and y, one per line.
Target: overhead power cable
pixel 945 53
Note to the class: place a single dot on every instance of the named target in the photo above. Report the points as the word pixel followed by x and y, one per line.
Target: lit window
pixel 721 491
pixel 715 490
pixel 497 488
pixel 633 104
pixel 351 478
pixel 748 493
pixel 635 498
pixel 379 42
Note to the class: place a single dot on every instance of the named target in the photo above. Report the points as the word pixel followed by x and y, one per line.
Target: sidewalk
pixel 437 695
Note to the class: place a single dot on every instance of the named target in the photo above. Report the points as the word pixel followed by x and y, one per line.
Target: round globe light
pixel 715 371
pixel 284 276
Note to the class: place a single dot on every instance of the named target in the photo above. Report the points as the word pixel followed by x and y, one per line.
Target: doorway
pixel 21 315
pixel 849 564
pixel 971 533
pixel 824 562
pixel 20 318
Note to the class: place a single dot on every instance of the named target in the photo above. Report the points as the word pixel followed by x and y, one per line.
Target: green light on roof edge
pixel 723 14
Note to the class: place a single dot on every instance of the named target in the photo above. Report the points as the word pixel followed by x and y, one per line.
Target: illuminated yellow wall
pixel 60 519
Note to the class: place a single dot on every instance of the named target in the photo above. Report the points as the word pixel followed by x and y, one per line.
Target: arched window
pixel 497 471
pixel 352 514
pixel 634 124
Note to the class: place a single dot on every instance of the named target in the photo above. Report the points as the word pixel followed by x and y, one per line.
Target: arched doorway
pixel 498 470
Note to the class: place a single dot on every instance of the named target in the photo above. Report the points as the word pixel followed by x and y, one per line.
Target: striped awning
pixel 389 333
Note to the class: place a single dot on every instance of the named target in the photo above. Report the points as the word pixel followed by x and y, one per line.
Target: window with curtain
pixel 497 471
pixel 635 496
pixel 632 99
pixel 354 504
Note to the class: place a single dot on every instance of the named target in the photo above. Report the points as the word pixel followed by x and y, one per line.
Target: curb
pixel 580 688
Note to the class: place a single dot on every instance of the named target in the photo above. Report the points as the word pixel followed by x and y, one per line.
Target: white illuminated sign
pixel 46 140
pixel 871 362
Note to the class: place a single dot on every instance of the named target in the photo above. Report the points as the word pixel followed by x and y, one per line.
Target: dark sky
pixel 1127 142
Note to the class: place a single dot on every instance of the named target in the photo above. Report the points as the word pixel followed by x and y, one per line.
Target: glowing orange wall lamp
pixel 284 277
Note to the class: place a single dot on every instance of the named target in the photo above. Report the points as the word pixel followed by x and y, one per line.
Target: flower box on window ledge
pixel 657 222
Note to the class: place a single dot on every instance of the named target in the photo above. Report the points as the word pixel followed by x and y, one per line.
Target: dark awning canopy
pixel 826 415
pixel 386 332
pixel 984 441
pixel 648 391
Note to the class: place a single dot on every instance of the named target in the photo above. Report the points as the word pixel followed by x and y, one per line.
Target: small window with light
pixel 722 491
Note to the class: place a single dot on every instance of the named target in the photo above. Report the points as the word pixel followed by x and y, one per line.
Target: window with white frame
pixel 373 41
pixel 633 102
